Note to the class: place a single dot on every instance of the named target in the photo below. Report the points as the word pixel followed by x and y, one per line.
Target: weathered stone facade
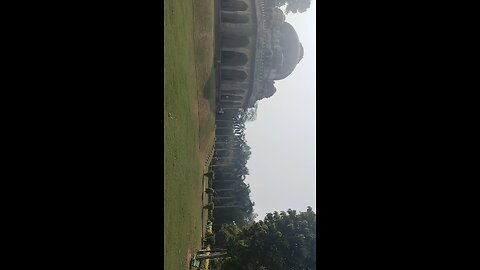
pixel 257 48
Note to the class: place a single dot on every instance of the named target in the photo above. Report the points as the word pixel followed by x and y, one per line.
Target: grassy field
pixel 189 123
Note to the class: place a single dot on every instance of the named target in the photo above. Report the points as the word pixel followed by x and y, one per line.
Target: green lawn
pixel 188 52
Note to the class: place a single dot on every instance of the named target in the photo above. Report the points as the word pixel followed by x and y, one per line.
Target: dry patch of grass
pixel 204 37
pixel 206 117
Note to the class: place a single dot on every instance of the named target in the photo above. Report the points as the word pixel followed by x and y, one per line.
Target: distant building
pixel 257 48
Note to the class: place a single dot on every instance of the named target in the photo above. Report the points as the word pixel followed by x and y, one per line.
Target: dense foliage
pixel 293 6
pixel 232 195
pixel 285 240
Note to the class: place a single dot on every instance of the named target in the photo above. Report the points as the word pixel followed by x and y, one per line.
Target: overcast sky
pixel 282 138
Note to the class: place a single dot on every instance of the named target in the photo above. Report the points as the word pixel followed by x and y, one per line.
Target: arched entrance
pixel 232 58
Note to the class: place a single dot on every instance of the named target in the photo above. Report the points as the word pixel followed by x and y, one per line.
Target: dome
pixel 292 51
pixel 278 15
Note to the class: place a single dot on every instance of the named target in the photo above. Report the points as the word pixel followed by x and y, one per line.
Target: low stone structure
pixel 258 47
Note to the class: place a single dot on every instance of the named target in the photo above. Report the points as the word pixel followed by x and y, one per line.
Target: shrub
pixel 210 182
pixel 209 206
pixel 210 174
pixel 210 239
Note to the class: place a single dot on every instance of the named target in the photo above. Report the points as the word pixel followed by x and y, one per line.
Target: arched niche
pixel 233 5
pixel 233 92
pixel 234 18
pixel 232 58
pixel 231 103
pixel 230 98
pixel 234 41
pixel 233 75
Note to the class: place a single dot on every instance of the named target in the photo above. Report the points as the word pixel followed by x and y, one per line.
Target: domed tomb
pixel 257 47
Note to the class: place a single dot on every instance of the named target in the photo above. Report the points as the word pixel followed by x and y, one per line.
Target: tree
pixel 230 165
pixel 251 113
pixel 294 6
pixel 281 241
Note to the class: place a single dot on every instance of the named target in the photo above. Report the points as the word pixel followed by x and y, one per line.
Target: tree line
pixel 232 202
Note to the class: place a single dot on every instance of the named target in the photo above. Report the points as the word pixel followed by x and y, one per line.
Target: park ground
pixel 189 105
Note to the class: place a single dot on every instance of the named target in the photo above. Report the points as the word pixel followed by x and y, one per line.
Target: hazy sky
pixel 282 138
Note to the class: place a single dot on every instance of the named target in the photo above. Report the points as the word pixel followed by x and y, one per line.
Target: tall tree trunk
pixel 227 206
pixel 228 175
pixel 222 162
pixel 224 189
pixel 224 198
pixel 212 256
pixel 230 164
pixel 227 146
